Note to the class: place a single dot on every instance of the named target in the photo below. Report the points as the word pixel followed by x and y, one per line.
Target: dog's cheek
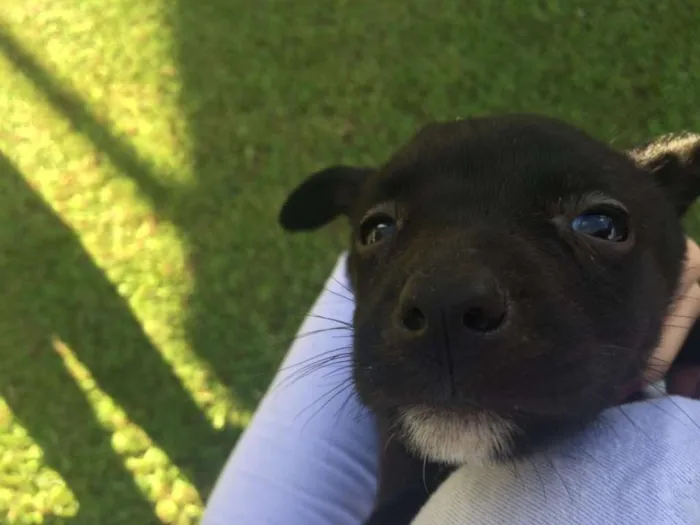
pixel 388 376
pixel 594 328
pixel 370 277
pixel 624 297
pixel 379 368
pixel 634 320
pixel 557 368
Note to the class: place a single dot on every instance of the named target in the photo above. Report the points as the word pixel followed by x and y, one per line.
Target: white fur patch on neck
pixel 456 439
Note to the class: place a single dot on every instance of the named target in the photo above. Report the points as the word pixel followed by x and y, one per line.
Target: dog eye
pixel 376 228
pixel 608 226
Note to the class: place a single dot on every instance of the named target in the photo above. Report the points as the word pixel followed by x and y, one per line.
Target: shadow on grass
pixel 52 288
pixel 237 320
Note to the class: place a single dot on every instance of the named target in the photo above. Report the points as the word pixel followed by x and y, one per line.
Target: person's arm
pixel 309 456
pixel 639 466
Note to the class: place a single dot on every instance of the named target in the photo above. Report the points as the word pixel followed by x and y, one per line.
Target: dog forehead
pixel 486 136
pixel 518 160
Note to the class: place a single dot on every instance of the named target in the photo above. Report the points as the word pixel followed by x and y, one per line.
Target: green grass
pixel 145 149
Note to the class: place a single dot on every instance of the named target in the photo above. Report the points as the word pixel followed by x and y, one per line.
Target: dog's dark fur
pixel 491 315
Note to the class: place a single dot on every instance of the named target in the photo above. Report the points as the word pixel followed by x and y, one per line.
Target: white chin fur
pixel 455 440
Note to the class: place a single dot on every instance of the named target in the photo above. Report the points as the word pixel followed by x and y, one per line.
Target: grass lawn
pixel 145 147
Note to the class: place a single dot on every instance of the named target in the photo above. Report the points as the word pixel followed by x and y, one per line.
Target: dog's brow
pixel 386 206
pixel 394 183
pixel 597 198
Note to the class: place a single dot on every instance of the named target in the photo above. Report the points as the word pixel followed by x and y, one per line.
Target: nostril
pixel 480 320
pixel 413 319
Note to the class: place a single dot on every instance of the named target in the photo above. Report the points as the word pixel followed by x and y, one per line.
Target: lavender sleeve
pixel 639 466
pixel 309 455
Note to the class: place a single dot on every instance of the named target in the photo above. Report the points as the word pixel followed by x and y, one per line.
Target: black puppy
pixel 511 275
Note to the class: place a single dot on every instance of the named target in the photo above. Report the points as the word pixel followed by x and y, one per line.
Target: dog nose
pixel 475 304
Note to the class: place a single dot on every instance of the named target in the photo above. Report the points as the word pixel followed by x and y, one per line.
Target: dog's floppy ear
pixel 322 197
pixel 674 160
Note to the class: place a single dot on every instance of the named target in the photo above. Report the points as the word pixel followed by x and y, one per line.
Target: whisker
pixel 318 364
pixel 351 394
pixel 288 341
pixel 322 330
pixel 681 316
pixel 627 416
pixel 680 327
pixel 657 405
pixel 612 346
pixel 338 370
pixel 341 351
pixel 682 411
pixel 315 365
pixel 360 409
pixel 340 387
pixel 539 476
pixel 337 294
pixel 331 319
pixel 561 478
pixel 344 286
pixel 390 435
pixel 659 360
pixel 516 472
pixel 659 365
pixel 306 372
pixel 605 424
pixel 586 453
pixel 334 393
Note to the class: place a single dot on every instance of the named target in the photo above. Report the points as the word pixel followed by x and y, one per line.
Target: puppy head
pixel 511 276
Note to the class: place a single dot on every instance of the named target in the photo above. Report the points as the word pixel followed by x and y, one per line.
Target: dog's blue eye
pixel 377 228
pixel 609 227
